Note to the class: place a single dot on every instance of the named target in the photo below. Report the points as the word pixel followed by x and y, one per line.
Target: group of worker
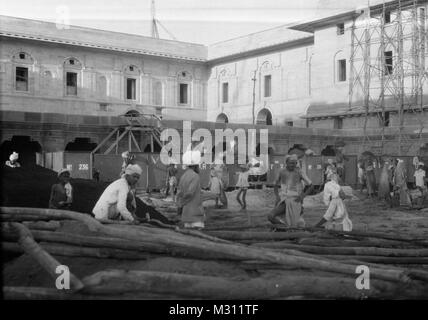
pixel 116 202
pixel 392 186
pixel 295 186
pixel 118 199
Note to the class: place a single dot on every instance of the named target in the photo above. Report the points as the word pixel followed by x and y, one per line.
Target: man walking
pixel 189 192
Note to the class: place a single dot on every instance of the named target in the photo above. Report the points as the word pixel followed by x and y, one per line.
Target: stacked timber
pixel 308 263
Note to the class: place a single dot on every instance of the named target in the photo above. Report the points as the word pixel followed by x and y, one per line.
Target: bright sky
pixel 199 21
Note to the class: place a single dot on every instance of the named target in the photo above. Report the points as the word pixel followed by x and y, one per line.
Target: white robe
pixel 336 214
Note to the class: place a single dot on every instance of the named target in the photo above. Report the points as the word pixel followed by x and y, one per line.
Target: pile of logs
pixel 330 257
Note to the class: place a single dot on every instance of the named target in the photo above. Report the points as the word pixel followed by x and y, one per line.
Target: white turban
pixel 133 168
pixel 60 172
pixel 309 152
pixel 125 154
pixel 291 157
pixel 191 158
pixel 13 156
pixel 421 163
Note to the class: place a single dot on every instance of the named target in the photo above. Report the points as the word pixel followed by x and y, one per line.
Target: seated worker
pixel 118 200
pixel 13 161
pixel 291 201
pixel 336 216
pixel 62 192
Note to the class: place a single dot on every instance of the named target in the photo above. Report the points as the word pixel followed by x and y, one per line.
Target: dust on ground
pixel 366 215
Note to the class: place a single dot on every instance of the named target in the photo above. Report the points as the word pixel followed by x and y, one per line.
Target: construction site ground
pixel 366 215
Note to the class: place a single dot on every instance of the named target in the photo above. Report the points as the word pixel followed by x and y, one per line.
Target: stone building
pixel 67 85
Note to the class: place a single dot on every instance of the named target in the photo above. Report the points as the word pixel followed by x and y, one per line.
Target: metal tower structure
pixel 387 66
pixel 156 22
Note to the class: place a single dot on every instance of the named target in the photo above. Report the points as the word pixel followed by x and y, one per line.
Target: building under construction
pixel 357 73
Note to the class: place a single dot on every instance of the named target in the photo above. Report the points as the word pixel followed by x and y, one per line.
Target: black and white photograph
pixel 214 154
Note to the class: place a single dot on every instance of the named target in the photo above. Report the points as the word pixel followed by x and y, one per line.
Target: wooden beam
pixel 116 143
pixel 104 140
pixel 135 141
pixel 48 263
pixel 209 287
pixel 197 246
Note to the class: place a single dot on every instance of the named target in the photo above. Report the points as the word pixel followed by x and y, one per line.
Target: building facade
pixel 356 68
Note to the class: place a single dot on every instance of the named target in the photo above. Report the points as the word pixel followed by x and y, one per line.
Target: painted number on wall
pixel 83 166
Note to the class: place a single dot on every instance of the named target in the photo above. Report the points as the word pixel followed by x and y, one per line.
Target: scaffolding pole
pixel 390 83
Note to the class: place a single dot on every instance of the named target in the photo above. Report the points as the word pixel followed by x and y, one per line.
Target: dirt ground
pixel 366 215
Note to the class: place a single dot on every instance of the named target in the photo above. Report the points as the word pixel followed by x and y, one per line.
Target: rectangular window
pixel 422 18
pixel 340 29
pixel 131 86
pixel 225 92
pixel 338 123
pixel 289 123
pixel 387 16
pixel 268 86
pixel 71 83
pixel 388 62
pixel 21 79
pixel 341 67
pixel 384 122
pixel 183 93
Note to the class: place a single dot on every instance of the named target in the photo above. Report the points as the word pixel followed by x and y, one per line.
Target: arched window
pixel 157 93
pixel 132 81
pixel 72 76
pixel 222 118
pixel 265 77
pixel 184 88
pixel 224 87
pixel 264 117
pixel 23 66
pixel 340 67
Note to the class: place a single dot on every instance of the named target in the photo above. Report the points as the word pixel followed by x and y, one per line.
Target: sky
pixel 198 21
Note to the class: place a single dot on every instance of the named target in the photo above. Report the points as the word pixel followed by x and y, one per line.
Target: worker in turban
pixel 189 192
pixel 13 160
pixel 118 199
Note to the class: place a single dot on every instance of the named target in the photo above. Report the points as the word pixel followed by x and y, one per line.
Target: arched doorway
pixel 156 148
pixel 81 144
pixel 24 146
pixel 132 114
pixel 264 117
pixel 329 151
pixel 222 118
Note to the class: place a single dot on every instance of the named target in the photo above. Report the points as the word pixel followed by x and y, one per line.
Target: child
pixel 243 185
pixel 62 192
pixel 172 181
pixel 336 215
pixel 215 186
